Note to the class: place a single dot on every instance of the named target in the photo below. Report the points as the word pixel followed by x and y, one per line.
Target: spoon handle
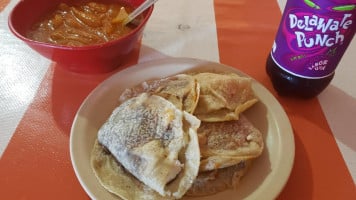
pixel 139 10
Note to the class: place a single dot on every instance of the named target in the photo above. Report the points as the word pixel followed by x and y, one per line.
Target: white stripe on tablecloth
pixel 21 72
pixel 338 102
pixel 192 34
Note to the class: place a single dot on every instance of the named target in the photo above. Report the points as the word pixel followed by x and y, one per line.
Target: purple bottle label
pixel 313 36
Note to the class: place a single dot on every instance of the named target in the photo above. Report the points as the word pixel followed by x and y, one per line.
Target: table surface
pixel 39 100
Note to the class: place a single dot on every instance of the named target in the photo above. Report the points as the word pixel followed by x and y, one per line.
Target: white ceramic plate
pixel 264 180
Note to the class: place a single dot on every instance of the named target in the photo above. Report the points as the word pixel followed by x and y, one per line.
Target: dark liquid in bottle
pixel 287 84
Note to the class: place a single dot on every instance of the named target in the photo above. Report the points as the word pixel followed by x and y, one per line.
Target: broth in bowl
pixel 83 23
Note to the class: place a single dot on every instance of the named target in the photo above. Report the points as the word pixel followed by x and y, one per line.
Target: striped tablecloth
pixel 38 100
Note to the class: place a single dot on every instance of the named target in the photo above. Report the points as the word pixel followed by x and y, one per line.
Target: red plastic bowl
pixel 86 59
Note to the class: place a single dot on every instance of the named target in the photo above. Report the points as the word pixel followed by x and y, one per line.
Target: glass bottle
pixel 311 40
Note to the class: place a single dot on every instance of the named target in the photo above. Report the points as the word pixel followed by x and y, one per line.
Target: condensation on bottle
pixel 312 37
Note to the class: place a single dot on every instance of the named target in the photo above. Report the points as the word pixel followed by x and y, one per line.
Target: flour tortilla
pixel 182 90
pixel 223 96
pixel 223 144
pixel 114 178
pixel 214 181
pixel 152 141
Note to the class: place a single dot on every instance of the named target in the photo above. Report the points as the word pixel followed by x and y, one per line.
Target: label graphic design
pixel 313 36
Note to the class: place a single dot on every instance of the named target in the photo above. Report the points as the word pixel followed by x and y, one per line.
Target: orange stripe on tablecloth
pixel 3 4
pixel 36 164
pixel 246 30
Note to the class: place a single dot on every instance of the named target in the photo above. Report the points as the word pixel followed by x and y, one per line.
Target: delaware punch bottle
pixel 312 38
